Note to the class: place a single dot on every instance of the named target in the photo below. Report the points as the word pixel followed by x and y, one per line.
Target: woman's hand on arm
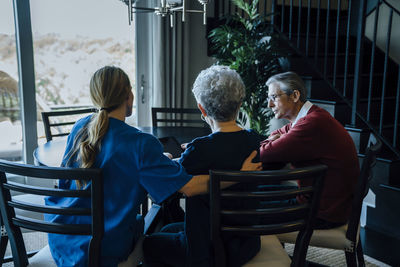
pixel 248 165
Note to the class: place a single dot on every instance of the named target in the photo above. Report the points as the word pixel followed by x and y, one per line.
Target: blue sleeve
pixel 160 176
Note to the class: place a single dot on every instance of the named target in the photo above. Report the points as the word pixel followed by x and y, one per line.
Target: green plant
pixel 248 44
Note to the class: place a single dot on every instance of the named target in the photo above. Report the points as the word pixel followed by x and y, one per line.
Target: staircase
pixel 358 83
pixel 348 75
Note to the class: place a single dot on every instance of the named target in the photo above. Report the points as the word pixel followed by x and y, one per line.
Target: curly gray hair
pixel 220 91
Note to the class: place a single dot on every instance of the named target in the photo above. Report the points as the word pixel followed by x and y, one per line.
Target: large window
pixel 10 122
pixel 71 40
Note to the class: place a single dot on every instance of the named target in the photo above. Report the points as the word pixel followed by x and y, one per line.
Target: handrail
pixel 352 83
pixel 391 6
pixel 386 3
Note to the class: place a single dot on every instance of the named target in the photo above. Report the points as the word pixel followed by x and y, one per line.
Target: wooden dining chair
pixel 59 122
pixel 13 223
pixel 347 237
pixel 184 117
pixel 265 211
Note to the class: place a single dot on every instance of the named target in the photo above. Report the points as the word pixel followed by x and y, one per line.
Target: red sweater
pixel 318 138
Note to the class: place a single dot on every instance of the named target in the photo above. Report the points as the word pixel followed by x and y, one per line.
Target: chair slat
pixel 59 135
pixel 55 228
pixel 61 124
pixel 267 194
pixel 177 116
pixel 266 229
pixel 29 189
pixel 49 172
pixel 267 212
pixel 48 209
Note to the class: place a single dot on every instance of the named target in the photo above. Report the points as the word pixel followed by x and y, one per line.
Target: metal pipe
pixel 265 7
pixel 385 69
pixel 308 25
pixel 396 112
pixel 130 11
pixel 373 48
pixel 326 37
pixel 183 10
pixel 282 14
pixel 290 19
pixel 346 62
pixel 358 62
pixel 205 14
pixel 336 42
pixel 317 34
pixel 299 23
pixel 273 10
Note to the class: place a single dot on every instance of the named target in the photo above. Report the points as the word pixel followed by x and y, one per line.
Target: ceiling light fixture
pixel 168 8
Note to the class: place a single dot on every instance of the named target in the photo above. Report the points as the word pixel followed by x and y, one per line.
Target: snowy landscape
pixel 63 67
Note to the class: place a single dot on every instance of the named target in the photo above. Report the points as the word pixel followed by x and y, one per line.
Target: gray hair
pixel 288 82
pixel 220 91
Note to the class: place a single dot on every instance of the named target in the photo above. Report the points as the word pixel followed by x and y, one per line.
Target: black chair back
pixel 263 210
pixel 13 223
pixel 186 117
pixel 62 120
pixel 362 187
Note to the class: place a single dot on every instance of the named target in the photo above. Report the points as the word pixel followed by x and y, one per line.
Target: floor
pixel 377 246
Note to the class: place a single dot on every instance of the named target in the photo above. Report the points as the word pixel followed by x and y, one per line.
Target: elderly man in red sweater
pixel 313 136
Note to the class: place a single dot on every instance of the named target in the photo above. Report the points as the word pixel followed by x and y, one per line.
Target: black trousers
pixel 188 244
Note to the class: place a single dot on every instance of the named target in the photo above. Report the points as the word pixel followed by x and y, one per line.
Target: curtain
pixel 170 63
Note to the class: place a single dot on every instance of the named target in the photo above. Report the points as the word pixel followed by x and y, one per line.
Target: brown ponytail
pixel 109 88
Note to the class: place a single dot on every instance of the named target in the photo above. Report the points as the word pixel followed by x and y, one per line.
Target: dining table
pixel 51 153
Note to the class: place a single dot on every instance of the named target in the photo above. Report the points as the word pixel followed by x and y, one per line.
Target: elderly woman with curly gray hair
pixel 219 92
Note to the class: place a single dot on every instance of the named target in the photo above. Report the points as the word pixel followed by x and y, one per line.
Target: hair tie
pixel 110 108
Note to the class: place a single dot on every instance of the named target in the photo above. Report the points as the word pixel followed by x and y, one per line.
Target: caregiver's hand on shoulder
pixel 248 165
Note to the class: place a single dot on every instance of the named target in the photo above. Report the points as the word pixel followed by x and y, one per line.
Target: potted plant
pixel 247 43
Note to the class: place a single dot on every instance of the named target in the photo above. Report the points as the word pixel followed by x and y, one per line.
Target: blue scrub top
pixel 133 165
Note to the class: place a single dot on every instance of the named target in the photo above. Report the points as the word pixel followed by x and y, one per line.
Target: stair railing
pixel 322 31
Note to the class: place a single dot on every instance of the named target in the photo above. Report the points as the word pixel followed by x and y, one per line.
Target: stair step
pixel 394 188
pixel 338 109
pixel 319 89
pixel 385 216
pixel 380 246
